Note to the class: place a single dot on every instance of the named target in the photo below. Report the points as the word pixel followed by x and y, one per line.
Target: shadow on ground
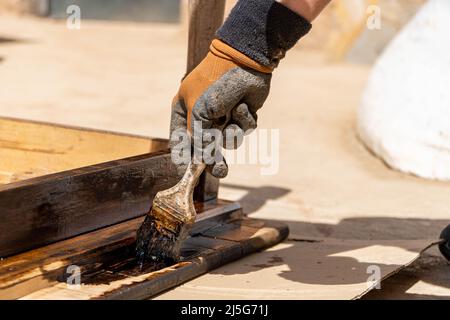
pixel 429 269
pixel 328 261
pixel 8 40
pixel 255 198
pixel 361 228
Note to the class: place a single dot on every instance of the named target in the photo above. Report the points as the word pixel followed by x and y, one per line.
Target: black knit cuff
pixel 263 30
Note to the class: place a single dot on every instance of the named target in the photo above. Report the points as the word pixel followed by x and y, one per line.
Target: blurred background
pixel 340 30
pixel 143 43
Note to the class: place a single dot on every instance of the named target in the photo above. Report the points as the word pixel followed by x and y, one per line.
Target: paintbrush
pixel 169 220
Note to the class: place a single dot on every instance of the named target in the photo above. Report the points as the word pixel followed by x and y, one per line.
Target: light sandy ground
pixel 122 77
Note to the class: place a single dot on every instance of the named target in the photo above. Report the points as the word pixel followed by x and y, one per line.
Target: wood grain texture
pixel 205 17
pixel 97 250
pixel 30 149
pixel 209 253
pixel 46 209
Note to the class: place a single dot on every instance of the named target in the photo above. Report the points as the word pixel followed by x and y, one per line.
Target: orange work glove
pixel 229 86
pixel 225 85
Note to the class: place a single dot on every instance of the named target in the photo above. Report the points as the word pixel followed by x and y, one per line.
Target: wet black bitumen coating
pixel 154 246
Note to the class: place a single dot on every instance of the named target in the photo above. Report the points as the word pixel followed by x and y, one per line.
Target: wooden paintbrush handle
pixel 196 167
pixel 191 176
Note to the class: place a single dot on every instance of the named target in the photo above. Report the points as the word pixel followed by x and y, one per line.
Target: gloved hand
pixel 225 86
pixel 229 86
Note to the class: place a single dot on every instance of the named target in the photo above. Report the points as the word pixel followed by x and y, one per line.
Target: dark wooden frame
pixel 54 207
pixel 94 251
pixel 46 209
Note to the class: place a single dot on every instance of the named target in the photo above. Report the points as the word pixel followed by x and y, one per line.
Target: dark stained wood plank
pixel 212 214
pixel 252 233
pixel 119 283
pixel 222 252
pixel 92 252
pixel 46 209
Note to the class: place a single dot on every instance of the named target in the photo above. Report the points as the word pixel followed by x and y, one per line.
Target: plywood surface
pixel 309 269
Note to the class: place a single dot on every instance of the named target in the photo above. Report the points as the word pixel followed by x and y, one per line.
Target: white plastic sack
pixel 404 117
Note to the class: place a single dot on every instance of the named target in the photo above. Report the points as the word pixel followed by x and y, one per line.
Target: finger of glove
pixel 233 136
pixel 258 93
pixel 213 158
pixel 220 98
pixel 178 121
pixel 242 116
pixel 179 140
pixel 219 169
pixel 243 123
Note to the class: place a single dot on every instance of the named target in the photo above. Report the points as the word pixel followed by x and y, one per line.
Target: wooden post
pixel 205 17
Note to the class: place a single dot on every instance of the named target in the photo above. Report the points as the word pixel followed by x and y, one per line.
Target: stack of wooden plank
pixel 71 201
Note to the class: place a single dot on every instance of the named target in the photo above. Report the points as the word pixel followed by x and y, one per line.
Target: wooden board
pixel 201 254
pixel 205 17
pixel 106 256
pixel 31 149
pixel 56 206
pixel 38 268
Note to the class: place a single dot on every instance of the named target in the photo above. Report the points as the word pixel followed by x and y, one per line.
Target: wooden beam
pixel 30 149
pixel 46 209
pixel 94 251
pixel 212 253
pixel 205 17
pixel 202 253
pixel 58 181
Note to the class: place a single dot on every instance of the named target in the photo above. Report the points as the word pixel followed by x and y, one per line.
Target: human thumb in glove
pixel 231 84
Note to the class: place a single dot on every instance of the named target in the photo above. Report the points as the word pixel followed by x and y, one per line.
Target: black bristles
pixel 153 245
